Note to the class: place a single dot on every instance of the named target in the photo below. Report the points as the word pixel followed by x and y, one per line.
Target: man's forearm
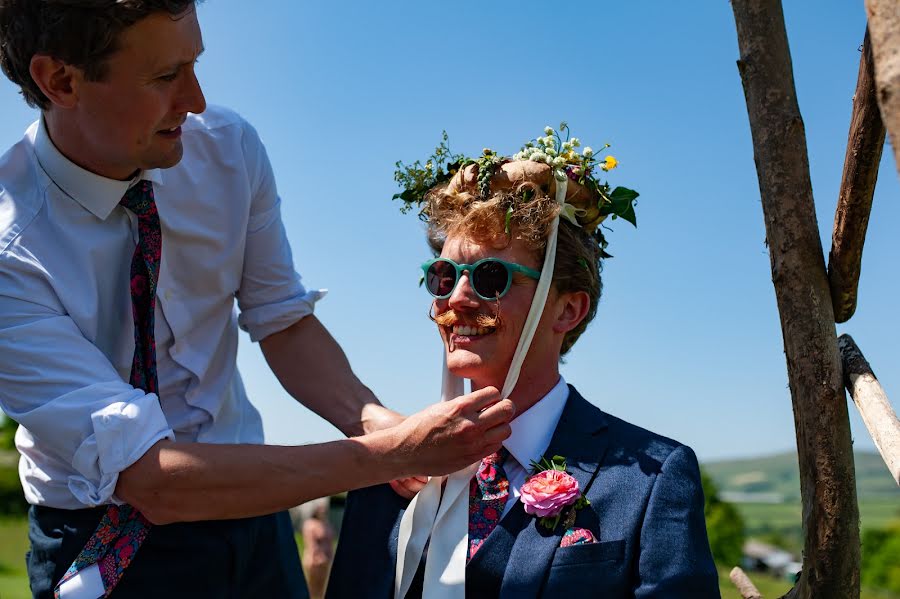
pixel 313 368
pixel 198 481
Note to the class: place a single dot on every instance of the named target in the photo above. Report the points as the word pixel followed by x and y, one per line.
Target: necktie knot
pixel 139 199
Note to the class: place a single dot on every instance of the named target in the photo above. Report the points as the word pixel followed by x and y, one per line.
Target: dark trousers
pixel 233 559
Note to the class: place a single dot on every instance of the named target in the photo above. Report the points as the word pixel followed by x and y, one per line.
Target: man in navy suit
pixel 643 532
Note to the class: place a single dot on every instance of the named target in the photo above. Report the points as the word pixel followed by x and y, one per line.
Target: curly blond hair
pixel 529 212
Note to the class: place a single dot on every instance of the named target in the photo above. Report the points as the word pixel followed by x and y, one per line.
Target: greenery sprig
pixel 417 178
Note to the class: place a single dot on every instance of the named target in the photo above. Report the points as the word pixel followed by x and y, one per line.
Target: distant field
pixel 779 475
pixel 872 514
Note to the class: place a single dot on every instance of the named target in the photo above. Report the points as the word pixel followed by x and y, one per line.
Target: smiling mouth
pixel 463 330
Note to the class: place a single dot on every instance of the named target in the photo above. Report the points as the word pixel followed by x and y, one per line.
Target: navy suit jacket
pixel 646 513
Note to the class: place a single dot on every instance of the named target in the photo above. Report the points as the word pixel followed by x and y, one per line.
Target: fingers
pixel 501 412
pixel 497 434
pixel 408 487
pixel 479 400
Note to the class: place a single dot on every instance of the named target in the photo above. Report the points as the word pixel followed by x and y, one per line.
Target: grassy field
pixel 14 581
pixel 13 545
pixel 773 588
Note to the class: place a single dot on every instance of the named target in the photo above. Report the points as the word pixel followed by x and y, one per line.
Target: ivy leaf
pixel 622 203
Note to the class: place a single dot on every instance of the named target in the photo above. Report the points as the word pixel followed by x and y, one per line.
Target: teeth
pixel 470 331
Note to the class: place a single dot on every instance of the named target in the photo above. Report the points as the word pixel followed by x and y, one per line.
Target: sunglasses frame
pixel 511 267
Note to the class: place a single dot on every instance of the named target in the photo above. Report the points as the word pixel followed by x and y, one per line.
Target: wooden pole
pixel 873 404
pixel 744 586
pixel 851 219
pixel 884 24
pixel 827 480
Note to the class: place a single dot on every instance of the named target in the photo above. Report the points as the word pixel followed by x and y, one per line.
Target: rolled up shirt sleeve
pixel 271 296
pixel 70 399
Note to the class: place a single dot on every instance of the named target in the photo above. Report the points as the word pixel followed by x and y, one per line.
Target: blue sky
pixel 687 340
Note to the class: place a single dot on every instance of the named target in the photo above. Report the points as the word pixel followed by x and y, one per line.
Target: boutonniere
pixel 550 491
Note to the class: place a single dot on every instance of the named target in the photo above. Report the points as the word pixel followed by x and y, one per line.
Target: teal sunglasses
pixel 490 277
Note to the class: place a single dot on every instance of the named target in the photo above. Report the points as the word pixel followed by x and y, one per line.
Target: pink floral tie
pixel 488 493
pixel 122 529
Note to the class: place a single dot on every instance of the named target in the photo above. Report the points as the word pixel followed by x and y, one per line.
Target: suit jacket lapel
pixel 581 438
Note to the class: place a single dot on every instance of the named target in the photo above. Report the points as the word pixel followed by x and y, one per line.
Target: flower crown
pixel 540 161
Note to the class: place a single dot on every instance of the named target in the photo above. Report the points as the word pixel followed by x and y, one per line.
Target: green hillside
pixel 778 475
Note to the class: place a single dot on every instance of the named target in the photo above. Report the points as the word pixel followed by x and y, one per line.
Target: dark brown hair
pixel 531 213
pixel 82 33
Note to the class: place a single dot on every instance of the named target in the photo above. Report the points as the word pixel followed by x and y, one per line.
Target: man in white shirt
pixel 123 114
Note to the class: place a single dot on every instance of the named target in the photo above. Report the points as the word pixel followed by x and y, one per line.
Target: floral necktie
pixel 488 493
pixel 122 529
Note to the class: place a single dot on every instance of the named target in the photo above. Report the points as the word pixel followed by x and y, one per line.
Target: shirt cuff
pixel 267 319
pixel 123 432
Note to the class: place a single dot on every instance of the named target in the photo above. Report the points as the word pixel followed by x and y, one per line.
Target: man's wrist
pixel 375 417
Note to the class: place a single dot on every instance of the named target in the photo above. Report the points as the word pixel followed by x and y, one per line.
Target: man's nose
pixel 191 98
pixel 463 296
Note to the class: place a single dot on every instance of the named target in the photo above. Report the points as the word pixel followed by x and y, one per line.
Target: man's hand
pixel 451 435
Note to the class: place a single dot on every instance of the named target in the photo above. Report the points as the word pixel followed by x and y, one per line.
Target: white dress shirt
pixel 66 328
pixel 531 434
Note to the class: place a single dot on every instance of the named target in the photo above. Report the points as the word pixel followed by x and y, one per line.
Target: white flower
pixel 588 151
pixel 551 151
pixel 539 157
pixel 559 161
pixel 576 142
pixel 548 160
pixel 566 145
pixel 548 130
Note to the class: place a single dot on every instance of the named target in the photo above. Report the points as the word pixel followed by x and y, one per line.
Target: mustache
pixel 450 318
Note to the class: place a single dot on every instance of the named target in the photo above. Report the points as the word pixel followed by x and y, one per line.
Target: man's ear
pixel 58 80
pixel 572 308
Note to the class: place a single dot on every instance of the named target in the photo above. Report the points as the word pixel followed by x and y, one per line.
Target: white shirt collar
pixel 97 194
pixel 533 430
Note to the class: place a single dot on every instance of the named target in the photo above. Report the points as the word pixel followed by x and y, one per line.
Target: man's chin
pixel 166 159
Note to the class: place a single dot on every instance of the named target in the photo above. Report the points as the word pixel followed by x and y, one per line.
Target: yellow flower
pixel 570 156
pixel 609 164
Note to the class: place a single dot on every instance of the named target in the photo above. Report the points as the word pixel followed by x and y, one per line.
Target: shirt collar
pixel 97 194
pixel 533 430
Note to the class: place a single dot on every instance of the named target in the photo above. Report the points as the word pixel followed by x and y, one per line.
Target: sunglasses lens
pixel 490 279
pixel 440 278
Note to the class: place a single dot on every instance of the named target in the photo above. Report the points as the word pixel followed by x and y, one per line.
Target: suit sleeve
pixel 365 558
pixel 675 559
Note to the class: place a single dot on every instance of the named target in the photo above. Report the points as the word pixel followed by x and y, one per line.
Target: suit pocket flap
pixel 590 552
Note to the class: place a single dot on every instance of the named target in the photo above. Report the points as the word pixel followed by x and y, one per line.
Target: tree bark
pixel 851 219
pixel 827 480
pixel 884 25
pixel 873 404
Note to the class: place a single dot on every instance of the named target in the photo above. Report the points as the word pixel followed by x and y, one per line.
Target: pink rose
pixel 548 492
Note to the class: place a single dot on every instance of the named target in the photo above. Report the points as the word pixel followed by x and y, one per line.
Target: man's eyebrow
pixel 177 65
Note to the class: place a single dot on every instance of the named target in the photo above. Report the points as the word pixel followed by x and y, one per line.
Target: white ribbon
pixel 445 519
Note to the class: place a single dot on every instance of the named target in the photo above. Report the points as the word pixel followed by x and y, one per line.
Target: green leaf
pixel 509 213
pixel 623 203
